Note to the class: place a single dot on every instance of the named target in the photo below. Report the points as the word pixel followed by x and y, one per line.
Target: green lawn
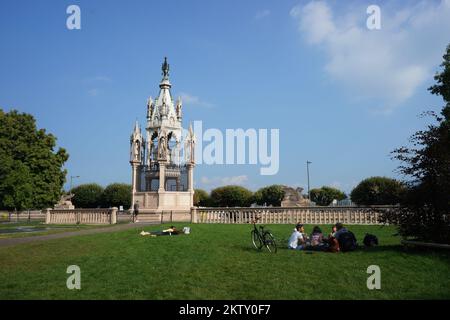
pixel 217 262
pixel 42 228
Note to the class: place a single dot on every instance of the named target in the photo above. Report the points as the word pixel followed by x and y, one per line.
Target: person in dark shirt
pixel 136 211
pixel 340 229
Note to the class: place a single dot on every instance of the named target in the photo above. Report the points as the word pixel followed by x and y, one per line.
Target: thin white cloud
pixel 93 92
pixel 389 64
pixel 262 14
pixel 194 100
pixel 98 78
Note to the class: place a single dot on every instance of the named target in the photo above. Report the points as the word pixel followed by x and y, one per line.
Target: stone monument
pixel 162 165
pixel 294 198
pixel 65 202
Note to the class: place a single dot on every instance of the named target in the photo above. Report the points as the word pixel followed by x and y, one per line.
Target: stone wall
pixel 291 215
pixel 81 216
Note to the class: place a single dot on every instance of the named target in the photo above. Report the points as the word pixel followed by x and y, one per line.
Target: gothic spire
pixel 137 128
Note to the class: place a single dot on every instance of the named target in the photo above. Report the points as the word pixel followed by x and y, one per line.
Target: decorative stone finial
pixel 165 68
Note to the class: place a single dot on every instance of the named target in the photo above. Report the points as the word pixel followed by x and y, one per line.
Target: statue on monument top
pixel 165 68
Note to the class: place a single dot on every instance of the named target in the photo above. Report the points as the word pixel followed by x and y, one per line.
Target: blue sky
pixel 342 96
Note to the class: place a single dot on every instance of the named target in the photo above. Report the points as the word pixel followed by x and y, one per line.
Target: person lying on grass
pixel 171 231
pixel 297 241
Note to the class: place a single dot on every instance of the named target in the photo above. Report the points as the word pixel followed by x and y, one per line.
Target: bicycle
pixel 261 237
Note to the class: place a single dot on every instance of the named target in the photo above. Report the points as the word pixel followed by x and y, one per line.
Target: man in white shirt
pixel 297 239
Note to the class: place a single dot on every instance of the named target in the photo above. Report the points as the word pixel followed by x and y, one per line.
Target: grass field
pixel 217 262
pixel 41 228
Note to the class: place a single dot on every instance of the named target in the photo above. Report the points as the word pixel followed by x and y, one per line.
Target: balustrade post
pixel 193 215
pixel 47 216
pixel 114 215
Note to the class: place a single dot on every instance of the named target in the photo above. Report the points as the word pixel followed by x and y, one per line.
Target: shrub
pixel 270 195
pixel 116 195
pixel 87 195
pixel 378 191
pixel 201 198
pixel 231 196
pixel 325 195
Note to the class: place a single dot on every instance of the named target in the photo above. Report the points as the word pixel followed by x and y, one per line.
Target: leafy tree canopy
pixel 31 174
pixel 325 195
pixel 87 195
pixel 424 212
pixel 378 191
pixel 231 196
pixel 201 198
pixel 270 195
pixel 116 195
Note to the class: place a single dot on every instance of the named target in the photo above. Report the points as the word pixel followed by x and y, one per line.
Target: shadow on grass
pixel 408 250
pixel 442 254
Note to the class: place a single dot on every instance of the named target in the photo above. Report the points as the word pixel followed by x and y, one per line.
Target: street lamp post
pixel 71 178
pixel 307 171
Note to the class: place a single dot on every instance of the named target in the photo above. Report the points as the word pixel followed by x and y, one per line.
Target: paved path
pixel 120 227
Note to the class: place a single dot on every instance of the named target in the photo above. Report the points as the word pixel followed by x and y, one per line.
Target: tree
pixel 378 191
pixel 87 195
pixel 201 198
pixel 17 188
pixel 231 196
pixel 424 211
pixel 325 195
pixel 270 195
pixel 116 195
pixel 31 174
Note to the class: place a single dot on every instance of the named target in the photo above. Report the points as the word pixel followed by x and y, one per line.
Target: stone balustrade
pixel 291 215
pixel 266 215
pixel 81 216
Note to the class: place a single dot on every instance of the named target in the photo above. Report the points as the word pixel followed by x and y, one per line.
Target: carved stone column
pixel 133 183
pixel 162 176
pixel 190 176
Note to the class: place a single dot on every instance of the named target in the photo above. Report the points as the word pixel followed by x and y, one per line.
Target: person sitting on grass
pixel 340 229
pixel 331 243
pixel 346 238
pixel 333 231
pixel 317 240
pixel 297 239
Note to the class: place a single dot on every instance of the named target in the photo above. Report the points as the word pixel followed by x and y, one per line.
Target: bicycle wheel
pixel 256 240
pixel 269 242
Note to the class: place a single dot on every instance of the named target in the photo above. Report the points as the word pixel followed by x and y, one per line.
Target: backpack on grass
pixel 347 241
pixel 370 240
